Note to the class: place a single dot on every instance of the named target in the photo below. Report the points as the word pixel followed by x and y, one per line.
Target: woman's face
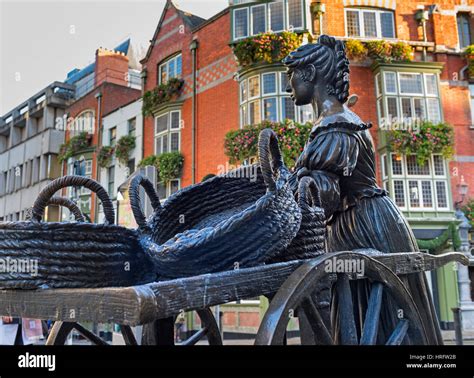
pixel 301 89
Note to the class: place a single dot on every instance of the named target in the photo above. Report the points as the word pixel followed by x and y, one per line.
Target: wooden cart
pixel 290 285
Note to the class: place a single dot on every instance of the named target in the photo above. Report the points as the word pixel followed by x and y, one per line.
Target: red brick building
pixel 103 86
pixel 219 95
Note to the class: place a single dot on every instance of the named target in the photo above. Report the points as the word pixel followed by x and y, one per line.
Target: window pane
pixel 427 193
pixel 399 193
pixel 378 84
pixel 277 20
pixel 370 25
pixel 287 108
pixel 284 82
pixel 386 24
pixel 396 165
pixel 413 168
pixel 431 87
pixel 175 120
pixel 306 113
pixel 174 186
pixel 254 86
pixel 441 194
pixel 164 142
pixel 295 14
pixel 390 82
pixel 258 19
pixel 413 192
pixel 434 114
pixel 179 65
pixel 269 83
pixel 174 142
pixel 392 107
pixel 161 123
pixel 406 108
pixel 244 115
pixel 161 190
pixel 241 23
pixel 254 111
pixel 158 146
pixel 384 166
pixel 464 30
pixel 411 83
pixel 172 68
pixel 352 18
pixel 380 108
pixel 270 111
pixel 438 165
pixel 243 91
pixel 419 108
pixel 163 74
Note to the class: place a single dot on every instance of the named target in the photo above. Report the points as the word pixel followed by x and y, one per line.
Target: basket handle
pixel 308 193
pixel 69 204
pixel 270 157
pixel 135 204
pixel 63 182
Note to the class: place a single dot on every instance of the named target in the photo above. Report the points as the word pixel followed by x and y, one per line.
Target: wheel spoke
pixel 348 332
pixel 372 318
pixel 89 335
pixel 321 333
pixel 399 333
pixel 195 338
pixel 128 335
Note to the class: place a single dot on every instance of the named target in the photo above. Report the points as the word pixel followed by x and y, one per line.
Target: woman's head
pixel 321 64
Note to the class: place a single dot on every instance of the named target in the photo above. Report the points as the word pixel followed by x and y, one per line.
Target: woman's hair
pixel 329 59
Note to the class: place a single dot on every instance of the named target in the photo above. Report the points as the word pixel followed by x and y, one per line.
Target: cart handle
pixel 63 182
pixel 308 193
pixel 135 204
pixel 69 204
pixel 268 149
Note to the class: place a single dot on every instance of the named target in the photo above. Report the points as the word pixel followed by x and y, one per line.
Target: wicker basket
pixel 310 241
pixel 227 222
pixel 70 255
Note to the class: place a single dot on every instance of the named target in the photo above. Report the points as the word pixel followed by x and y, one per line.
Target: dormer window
pixel 273 16
pixel 369 23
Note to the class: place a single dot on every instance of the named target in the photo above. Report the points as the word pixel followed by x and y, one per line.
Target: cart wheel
pixel 297 295
pixel 161 331
pixel 61 330
pixel 210 329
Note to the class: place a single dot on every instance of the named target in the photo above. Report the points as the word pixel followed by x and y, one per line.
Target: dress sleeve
pixel 329 156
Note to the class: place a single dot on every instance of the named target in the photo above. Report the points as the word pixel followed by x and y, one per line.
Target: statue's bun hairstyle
pixel 329 58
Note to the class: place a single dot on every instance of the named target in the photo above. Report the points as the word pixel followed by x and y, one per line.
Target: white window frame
pixel 247 10
pixel 168 132
pixel 265 17
pixel 269 15
pixel 378 23
pixel 168 188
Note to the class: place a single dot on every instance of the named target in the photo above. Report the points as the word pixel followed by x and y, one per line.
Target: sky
pixel 42 40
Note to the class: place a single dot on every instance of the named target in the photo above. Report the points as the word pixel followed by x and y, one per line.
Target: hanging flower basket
pixel 161 94
pixel 104 156
pixel 124 147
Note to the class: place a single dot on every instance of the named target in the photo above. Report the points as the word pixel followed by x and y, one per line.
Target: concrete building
pixel 29 146
pixel 220 95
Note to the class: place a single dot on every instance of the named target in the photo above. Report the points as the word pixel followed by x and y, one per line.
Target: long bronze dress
pixel 340 157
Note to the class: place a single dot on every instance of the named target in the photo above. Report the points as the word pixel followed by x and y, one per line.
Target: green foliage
pixel 242 144
pixel 266 47
pixel 429 139
pixel 468 210
pixel 469 53
pixel 169 165
pixel 161 94
pixel 439 243
pixel 123 148
pixel 379 50
pixel 104 157
pixel 73 146
pixel 355 49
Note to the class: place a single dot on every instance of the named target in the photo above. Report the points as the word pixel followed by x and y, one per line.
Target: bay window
pixel 406 96
pixel 263 96
pixel 369 23
pixel 273 16
pixel 416 187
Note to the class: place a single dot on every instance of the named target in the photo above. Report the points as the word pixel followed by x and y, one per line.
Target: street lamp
pixel 462 191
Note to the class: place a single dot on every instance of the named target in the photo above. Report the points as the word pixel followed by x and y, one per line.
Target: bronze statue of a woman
pixel 340 157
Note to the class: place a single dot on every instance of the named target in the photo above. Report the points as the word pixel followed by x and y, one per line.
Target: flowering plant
pixel 468 210
pixel 379 50
pixel 161 94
